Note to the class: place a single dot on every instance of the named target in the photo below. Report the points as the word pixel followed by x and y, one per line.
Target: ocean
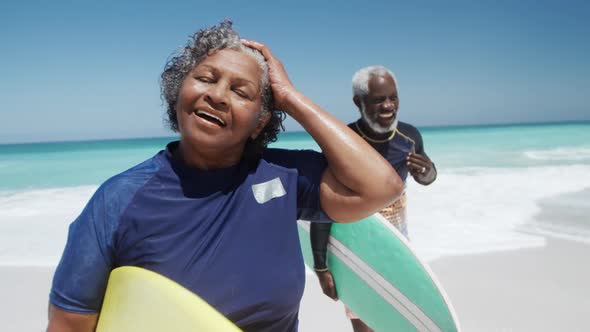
pixel 498 188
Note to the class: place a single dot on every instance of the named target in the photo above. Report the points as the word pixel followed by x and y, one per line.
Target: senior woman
pixel 216 211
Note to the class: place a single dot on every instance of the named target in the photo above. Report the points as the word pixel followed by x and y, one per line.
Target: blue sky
pixel 89 69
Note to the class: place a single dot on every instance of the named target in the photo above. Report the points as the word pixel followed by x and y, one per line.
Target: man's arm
pixel 65 321
pixel 319 234
pixel 419 164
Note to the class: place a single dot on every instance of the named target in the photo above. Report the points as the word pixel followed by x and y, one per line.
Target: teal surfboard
pixel 381 279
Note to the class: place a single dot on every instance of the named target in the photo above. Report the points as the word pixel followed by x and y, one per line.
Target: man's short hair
pixel 360 79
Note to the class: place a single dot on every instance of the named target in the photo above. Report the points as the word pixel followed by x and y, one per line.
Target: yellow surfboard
pixel 141 300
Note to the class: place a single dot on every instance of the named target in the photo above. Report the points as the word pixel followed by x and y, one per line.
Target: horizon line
pixel 425 127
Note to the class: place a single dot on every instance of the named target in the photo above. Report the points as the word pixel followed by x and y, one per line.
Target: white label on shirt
pixel 265 191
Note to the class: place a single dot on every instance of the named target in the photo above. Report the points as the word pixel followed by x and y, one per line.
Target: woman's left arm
pixel 358 181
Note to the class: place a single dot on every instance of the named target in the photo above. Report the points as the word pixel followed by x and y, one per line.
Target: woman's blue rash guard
pixel 228 235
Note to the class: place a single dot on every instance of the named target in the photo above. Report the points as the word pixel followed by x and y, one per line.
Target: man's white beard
pixel 374 125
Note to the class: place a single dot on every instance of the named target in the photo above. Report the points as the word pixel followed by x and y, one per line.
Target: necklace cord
pixel 365 136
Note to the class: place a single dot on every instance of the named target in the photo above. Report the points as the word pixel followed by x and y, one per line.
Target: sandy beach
pixel 542 289
pixel 25 294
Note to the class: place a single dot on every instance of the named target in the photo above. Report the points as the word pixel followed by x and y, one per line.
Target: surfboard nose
pixel 139 300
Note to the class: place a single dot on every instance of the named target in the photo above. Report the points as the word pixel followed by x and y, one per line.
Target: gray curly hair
pixel 202 44
pixel 360 79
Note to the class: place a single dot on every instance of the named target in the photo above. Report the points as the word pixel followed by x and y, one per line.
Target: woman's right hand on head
pixel 279 80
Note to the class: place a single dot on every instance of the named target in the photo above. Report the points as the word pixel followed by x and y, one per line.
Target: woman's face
pixel 219 103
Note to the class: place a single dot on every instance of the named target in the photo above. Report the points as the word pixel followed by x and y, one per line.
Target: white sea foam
pixel 465 211
pixel 481 210
pixel 560 154
pixel 33 224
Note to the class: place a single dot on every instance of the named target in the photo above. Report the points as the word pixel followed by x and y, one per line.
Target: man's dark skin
pixel 380 105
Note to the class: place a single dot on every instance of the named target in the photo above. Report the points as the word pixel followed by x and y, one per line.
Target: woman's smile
pixel 211 118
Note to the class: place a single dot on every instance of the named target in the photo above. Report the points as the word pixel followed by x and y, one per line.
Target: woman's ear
pixel 262 122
